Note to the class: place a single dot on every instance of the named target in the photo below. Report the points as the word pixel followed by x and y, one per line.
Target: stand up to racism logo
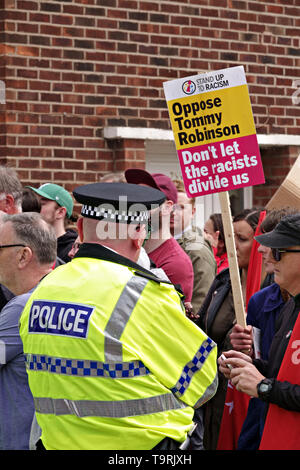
pixel 188 87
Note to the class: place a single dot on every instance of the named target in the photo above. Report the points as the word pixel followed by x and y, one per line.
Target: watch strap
pixel 265 394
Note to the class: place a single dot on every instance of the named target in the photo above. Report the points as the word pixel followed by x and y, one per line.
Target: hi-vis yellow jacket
pixel 112 361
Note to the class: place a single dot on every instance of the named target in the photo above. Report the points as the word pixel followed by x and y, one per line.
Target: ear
pixel 136 243
pixel 80 228
pixel 139 237
pixel 167 207
pixel 61 212
pixel 9 204
pixel 24 256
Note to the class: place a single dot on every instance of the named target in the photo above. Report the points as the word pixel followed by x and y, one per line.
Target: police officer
pixel 112 360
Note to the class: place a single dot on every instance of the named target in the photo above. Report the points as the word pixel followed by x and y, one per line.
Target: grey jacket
pixel 204 264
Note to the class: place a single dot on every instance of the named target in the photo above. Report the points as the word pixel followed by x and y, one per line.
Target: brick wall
pixel 277 162
pixel 73 67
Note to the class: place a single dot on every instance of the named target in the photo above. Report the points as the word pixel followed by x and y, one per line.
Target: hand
pixel 242 338
pixel 245 377
pixel 223 367
pixel 189 311
pixel 227 358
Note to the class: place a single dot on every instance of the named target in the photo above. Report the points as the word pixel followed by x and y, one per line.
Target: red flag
pixel 236 403
pixel 281 430
pixel 234 414
pixel 255 263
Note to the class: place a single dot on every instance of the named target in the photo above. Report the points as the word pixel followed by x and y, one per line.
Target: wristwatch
pixel 264 389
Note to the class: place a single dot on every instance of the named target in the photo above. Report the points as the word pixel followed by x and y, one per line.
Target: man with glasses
pixel 277 381
pixel 10 203
pixel 27 253
pixel 10 191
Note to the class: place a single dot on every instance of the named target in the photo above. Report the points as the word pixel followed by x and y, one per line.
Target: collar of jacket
pixel 224 275
pixel 274 297
pixel 97 251
pixel 191 235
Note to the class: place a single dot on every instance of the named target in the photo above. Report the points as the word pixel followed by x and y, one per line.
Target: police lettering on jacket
pixel 59 318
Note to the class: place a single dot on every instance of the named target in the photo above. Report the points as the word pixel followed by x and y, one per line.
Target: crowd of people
pixel 120 332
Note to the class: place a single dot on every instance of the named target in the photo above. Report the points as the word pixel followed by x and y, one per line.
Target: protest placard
pixel 288 193
pixel 214 131
pixel 216 142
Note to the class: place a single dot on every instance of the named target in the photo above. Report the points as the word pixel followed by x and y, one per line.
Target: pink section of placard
pixel 221 166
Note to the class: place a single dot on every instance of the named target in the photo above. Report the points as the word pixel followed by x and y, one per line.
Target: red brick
pixel 39 17
pixel 40 152
pixel 27 5
pixel 51 164
pixel 62 19
pixel 41 175
pixel 64 131
pixel 73 165
pixel 50 141
pixel 31 163
pixel 27 28
pixel 63 153
pixel 28 51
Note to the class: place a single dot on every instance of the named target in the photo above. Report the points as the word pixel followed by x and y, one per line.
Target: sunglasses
pixel 276 253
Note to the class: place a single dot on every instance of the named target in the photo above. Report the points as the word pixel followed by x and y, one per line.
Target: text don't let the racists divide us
pixel 214 131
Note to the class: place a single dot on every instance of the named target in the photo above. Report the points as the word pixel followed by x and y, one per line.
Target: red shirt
pixel 176 264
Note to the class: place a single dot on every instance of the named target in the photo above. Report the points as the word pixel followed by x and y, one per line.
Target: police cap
pixel 118 202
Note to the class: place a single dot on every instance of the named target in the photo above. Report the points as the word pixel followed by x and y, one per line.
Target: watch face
pixel 264 388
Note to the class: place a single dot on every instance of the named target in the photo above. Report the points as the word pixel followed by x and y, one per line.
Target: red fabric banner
pixel 255 264
pixel 282 427
pixel 234 414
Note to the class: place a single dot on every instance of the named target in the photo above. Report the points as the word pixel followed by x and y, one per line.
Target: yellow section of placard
pixel 211 117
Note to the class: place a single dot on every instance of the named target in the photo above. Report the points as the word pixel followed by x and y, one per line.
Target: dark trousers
pixel 40 445
pixel 167 444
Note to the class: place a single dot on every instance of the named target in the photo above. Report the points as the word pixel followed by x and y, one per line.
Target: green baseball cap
pixel 56 193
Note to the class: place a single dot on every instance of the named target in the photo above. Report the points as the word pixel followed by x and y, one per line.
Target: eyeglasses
pixel 276 253
pixel 9 246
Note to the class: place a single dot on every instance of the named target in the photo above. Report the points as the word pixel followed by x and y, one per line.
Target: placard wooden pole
pixel 232 259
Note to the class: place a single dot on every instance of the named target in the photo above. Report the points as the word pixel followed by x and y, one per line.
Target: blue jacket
pixel 263 309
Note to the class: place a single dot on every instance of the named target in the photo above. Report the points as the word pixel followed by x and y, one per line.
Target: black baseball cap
pixel 285 234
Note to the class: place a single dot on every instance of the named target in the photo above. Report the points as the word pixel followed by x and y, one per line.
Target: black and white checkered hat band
pixel 111 215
